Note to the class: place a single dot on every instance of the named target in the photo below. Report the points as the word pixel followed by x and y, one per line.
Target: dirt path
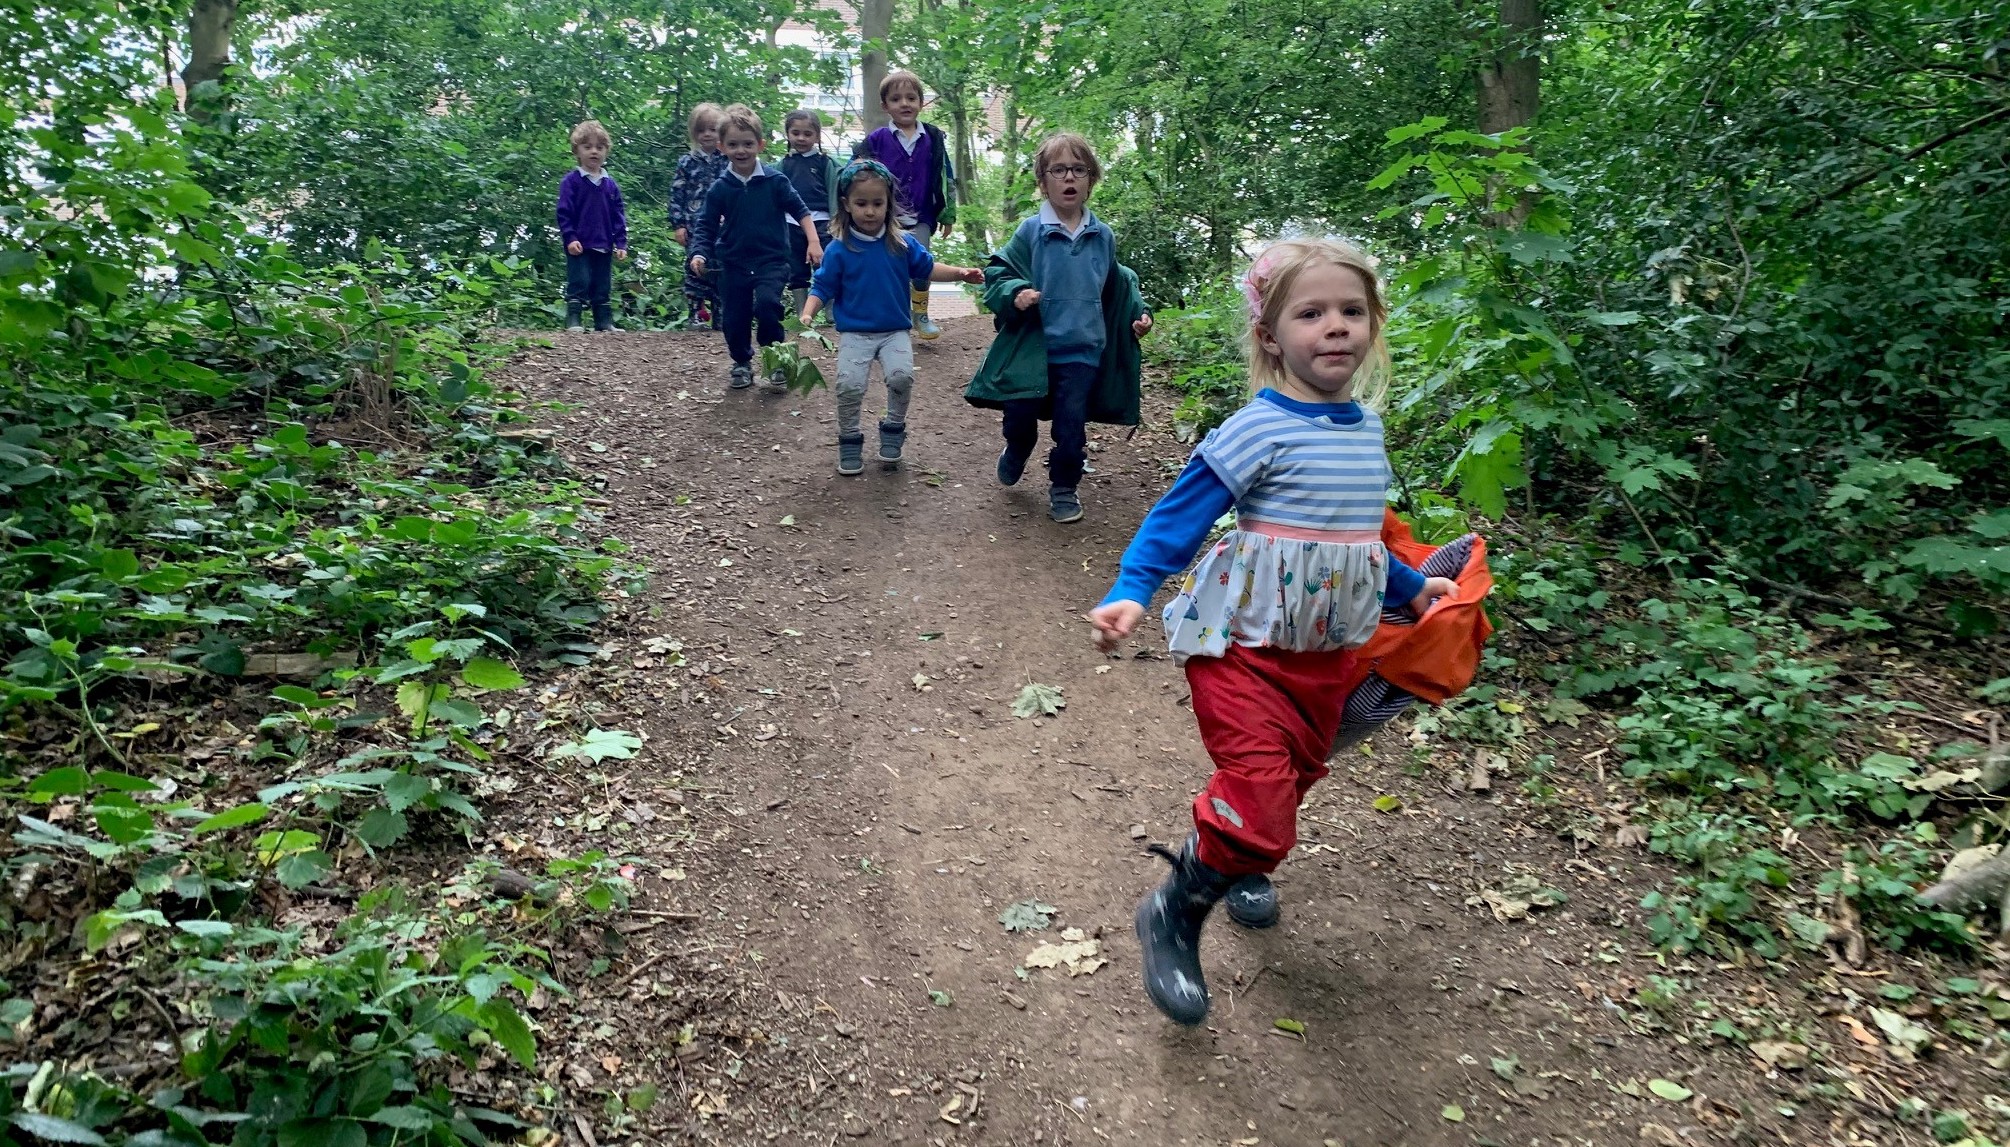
pixel 859 805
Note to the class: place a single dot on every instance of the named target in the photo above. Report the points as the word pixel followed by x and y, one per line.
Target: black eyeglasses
pixel 1071 171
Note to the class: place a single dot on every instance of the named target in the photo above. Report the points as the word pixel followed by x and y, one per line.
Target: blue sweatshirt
pixel 1069 272
pixel 865 283
pixel 1176 528
pixel 741 223
pixel 591 213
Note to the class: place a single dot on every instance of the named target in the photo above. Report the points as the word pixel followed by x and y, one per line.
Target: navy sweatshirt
pixel 741 225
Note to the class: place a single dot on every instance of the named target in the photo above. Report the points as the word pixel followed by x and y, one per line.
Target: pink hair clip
pixel 1253 283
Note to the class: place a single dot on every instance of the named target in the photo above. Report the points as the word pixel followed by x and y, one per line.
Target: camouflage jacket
pixel 695 175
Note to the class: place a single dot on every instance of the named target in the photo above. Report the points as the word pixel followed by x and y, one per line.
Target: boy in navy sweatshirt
pixel 593 226
pixel 741 230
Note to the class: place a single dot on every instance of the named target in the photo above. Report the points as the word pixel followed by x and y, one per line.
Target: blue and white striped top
pixel 1305 568
pixel 1302 470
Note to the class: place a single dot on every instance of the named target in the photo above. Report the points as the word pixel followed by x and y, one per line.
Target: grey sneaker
pixel 743 375
pixel 851 454
pixel 778 383
pixel 1063 505
pixel 1010 469
pixel 892 436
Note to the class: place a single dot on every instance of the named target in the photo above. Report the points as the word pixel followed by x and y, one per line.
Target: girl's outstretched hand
pixel 973 276
pixel 1434 588
pixel 1143 326
pixel 1114 622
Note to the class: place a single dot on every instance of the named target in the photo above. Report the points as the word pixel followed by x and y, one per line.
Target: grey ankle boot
pixel 572 316
pixel 892 436
pixel 851 453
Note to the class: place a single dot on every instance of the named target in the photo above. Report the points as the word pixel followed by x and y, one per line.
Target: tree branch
pixel 1947 137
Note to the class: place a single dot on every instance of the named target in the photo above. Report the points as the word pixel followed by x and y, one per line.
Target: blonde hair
pixel 895 79
pixel 1267 287
pixel 706 113
pixel 590 131
pixel 841 228
pixel 740 117
pixel 1058 146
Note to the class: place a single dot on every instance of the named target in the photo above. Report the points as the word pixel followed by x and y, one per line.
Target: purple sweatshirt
pixel 591 214
pixel 913 172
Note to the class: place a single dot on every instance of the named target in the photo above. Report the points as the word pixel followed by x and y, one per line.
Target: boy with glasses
pixel 1069 317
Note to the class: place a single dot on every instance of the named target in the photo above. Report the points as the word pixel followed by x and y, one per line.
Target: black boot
pixel 603 316
pixel 1168 925
pixel 572 312
pixel 1252 901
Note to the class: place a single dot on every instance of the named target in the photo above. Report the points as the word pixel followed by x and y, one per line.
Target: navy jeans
pixel 1067 403
pixel 749 295
pixel 589 277
pixel 799 253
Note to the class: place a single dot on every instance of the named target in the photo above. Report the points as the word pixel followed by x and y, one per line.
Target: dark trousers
pixel 748 296
pixel 1067 403
pixel 589 277
pixel 799 253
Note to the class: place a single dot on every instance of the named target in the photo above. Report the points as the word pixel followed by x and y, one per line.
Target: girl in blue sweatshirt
pixel 864 281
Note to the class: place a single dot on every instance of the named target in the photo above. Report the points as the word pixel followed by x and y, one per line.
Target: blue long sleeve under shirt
pixel 1179 524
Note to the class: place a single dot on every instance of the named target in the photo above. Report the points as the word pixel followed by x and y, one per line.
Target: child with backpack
pixel 1267 623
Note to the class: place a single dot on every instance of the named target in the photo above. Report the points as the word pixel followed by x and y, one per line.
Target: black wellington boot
pixel 1168 926
pixel 1252 901
pixel 572 315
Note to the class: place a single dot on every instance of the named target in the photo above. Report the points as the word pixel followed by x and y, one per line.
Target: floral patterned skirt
pixel 1257 589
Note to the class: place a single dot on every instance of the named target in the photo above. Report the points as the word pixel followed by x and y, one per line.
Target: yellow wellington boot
pixel 924 327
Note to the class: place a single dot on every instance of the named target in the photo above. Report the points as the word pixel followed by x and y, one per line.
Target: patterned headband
pixel 858 167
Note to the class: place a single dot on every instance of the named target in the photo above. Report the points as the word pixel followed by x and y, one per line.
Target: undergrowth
pixel 223 469
pixel 1771 776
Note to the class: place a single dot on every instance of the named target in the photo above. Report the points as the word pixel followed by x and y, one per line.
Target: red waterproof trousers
pixel 1267 717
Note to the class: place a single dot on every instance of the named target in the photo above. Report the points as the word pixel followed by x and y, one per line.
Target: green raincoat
pixel 1016 365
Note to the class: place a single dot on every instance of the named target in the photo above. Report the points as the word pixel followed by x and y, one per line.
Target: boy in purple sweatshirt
pixel 918 155
pixel 593 225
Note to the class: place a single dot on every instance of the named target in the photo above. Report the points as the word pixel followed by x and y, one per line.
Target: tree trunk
pixel 875 24
pixel 1510 79
pixel 210 23
pixel 1014 143
pixel 966 165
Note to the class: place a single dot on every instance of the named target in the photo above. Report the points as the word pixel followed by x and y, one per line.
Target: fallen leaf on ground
pixel 1079 956
pixel 1038 700
pixel 1027 916
pixel 1780 1054
pixel 1669 1090
pixel 1907 1038
pixel 1452 1113
pixel 1295 1027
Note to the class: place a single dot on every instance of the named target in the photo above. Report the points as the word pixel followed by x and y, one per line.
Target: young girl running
pixel 697 170
pixel 864 280
pixel 1265 622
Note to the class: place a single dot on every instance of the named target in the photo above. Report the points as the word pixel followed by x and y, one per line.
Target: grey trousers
pixel 857 351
